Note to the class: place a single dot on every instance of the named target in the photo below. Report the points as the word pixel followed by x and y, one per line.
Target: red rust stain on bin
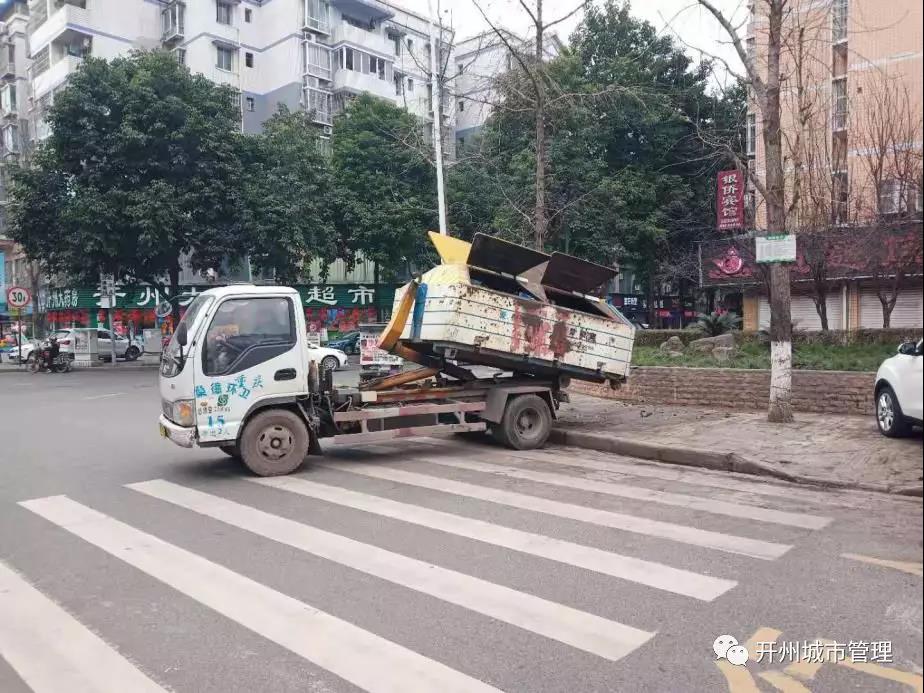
pixel 559 339
pixel 530 331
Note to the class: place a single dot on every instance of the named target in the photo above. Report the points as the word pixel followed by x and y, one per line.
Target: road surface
pixel 128 564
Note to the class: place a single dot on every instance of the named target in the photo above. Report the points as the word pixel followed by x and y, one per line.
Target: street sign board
pixel 729 200
pixel 777 248
pixel 18 297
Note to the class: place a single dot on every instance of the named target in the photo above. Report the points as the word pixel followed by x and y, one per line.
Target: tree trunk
pixel 886 314
pixel 540 219
pixel 821 304
pixel 780 405
pixel 174 275
pixel 375 288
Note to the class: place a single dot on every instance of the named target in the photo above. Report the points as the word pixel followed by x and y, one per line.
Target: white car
pixel 899 386
pixel 28 346
pixel 327 358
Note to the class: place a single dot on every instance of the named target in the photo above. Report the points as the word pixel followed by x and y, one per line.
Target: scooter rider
pixel 52 353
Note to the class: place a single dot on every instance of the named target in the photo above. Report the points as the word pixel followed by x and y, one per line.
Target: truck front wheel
pixel 274 443
pixel 526 424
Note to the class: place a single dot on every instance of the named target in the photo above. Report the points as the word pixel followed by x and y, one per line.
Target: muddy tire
pixel 526 424
pixel 231 450
pixel 274 443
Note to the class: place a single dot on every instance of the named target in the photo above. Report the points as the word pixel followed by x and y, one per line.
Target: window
pixel 224 58
pixel 399 84
pixel 839 87
pixel 347 59
pixel 841 197
pixel 396 41
pixel 247 332
pixel 251 104
pixel 223 12
pixel 410 45
pixel 248 59
pixel 410 84
pixel 898 197
pixel 839 21
pixel 248 15
pixel 751 144
pixel 461 106
pixel 181 55
pixel 377 67
pixel 317 15
pixel 317 60
pixel 8 98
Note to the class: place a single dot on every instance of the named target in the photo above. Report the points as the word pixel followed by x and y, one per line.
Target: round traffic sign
pixel 163 309
pixel 18 297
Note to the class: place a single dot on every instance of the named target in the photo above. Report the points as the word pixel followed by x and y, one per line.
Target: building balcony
pixel 358 83
pixel 54 75
pixel 369 40
pixel 58 22
pixel 371 10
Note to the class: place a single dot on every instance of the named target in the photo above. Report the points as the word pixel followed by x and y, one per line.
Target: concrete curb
pixel 711 459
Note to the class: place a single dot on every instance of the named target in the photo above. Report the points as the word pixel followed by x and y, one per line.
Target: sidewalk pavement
pixel 823 449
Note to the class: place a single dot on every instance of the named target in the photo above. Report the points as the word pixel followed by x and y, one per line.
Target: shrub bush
pixel 892 336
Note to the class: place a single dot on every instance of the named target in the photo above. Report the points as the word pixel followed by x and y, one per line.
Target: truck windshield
pixel 171 363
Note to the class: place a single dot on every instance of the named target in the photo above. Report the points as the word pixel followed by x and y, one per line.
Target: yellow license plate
pixel 163 430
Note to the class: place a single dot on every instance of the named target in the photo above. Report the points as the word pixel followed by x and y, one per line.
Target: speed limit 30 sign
pixel 18 297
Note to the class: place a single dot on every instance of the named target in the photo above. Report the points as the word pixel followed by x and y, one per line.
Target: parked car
pixel 348 343
pixel 899 386
pixel 13 353
pixel 327 358
pixel 125 349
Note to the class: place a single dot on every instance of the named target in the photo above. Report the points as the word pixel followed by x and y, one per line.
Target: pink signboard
pixel 729 200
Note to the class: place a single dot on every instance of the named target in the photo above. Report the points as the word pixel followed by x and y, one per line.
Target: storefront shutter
pixel 804 315
pixel 907 311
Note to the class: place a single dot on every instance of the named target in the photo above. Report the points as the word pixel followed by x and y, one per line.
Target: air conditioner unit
pixel 327 130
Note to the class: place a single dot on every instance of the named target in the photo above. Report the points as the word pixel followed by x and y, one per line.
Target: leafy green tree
pixel 385 196
pixel 632 149
pixel 141 173
pixel 287 213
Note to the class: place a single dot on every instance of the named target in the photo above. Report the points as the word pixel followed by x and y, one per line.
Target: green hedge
pixel 892 336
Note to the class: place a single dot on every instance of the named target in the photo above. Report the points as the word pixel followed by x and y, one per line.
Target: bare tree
pixel 888 138
pixel 533 67
pixel 764 83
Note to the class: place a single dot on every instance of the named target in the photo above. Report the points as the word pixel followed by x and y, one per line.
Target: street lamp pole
pixel 437 130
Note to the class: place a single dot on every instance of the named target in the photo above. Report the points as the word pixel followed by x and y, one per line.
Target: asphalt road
pixel 421 566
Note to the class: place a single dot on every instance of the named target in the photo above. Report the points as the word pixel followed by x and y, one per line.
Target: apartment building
pixel 479 60
pixel 851 93
pixel 312 54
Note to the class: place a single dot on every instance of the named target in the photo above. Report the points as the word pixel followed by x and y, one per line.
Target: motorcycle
pixel 43 360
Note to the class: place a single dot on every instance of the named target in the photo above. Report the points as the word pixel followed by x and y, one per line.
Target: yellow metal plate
pixel 453 251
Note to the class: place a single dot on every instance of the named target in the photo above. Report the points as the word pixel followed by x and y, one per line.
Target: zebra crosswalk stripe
pixel 357 656
pixel 709 505
pixel 53 652
pixel 649 573
pixel 756 548
pixel 585 631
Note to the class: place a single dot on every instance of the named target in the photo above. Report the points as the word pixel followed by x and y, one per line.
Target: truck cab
pixel 239 352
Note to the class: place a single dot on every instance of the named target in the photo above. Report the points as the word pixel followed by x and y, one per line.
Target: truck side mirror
pixel 908 348
pixel 181 334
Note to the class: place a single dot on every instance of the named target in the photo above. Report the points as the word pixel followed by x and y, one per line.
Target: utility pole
pixel 107 298
pixel 437 130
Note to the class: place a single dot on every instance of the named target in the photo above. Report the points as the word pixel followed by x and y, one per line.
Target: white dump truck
pixel 238 375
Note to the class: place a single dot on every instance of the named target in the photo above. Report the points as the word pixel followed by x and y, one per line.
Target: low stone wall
pixel 836 392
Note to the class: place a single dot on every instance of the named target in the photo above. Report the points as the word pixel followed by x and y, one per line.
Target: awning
pixel 364 9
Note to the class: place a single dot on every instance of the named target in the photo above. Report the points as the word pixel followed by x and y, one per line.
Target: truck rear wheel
pixel 274 443
pixel 526 423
